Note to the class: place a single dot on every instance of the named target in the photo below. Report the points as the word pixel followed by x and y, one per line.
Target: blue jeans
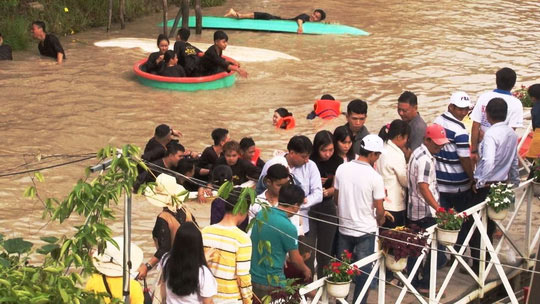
pixel 360 247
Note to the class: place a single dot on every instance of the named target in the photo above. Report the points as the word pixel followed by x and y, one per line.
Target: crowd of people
pixel 327 195
pixel 322 196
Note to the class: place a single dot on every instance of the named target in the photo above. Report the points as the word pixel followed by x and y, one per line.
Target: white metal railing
pixel 479 216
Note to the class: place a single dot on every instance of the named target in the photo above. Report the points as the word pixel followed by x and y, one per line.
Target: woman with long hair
pixel 283 119
pixel 170 67
pixel 393 168
pixel 155 60
pixel 186 277
pixel 327 162
pixel 343 143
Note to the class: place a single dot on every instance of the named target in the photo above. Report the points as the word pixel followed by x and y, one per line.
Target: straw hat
pixel 110 261
pixel 166 192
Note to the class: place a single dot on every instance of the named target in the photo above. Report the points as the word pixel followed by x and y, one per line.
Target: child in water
pixel 212 62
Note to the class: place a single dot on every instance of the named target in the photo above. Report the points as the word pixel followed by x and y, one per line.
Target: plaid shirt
pixel 421 170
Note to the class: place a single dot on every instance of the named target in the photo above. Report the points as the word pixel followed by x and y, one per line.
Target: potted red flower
pixel 400 243
pixel 448 225
pixel 339 275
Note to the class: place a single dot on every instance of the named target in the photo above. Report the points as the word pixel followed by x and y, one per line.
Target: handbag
pixel 147 294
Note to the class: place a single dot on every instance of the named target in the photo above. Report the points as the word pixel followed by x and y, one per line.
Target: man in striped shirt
pixel 231 261
pixel 453 162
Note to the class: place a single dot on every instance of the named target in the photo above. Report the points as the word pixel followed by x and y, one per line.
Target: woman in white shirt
pixel 392 166
pixel 186 279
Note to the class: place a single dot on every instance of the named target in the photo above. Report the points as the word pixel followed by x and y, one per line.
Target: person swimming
pixel 283 119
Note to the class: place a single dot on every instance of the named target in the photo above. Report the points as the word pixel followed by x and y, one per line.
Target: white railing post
pixel 482 263
pixel 382 281
pixel 529 192
pixel 433 253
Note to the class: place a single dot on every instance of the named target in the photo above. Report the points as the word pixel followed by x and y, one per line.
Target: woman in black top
pixel 327 162
pixel 343 143
pixel 170 67
pixel 155 60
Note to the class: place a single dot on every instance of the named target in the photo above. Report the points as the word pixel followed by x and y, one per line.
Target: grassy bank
pixel 66 17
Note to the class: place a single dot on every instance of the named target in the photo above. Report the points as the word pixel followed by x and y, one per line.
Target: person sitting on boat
pixel 283 119
pixel 317 16
pixel 170 67
pixel 212 61
pixel 155 60
pixel 188 55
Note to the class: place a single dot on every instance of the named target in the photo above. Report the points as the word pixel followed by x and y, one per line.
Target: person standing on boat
pixel 212 61
pixel 155 60
pixel 170 67
pixel 408 111
pixel 317 16
pixel 187 54
pixel 505 79
pixel 49 45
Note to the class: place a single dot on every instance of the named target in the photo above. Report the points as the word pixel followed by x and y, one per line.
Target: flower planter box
pixel 447 237
pixel 393 265
pixel 494 215
pixel 338 290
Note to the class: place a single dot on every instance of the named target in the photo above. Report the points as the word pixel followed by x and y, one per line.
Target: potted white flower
pixel 499 199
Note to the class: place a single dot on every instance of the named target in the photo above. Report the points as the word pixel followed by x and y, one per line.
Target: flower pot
pixel 393 265
pixel 338 289
pixel 447 237
pixel 494 215
pixel 536 189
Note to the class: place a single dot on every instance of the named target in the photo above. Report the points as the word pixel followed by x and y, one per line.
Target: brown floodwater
pixel 429 47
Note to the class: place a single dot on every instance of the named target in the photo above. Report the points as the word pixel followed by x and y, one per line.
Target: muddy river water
pixel 429 47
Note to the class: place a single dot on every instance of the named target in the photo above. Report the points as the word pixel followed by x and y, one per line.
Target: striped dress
pixel 230 264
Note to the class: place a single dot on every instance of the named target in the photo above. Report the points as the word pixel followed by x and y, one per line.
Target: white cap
pixel 460 99
pixel 372 143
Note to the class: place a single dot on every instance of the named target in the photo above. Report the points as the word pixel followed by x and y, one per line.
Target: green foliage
pixel 523 95
pixel 63 17
pixel 58 278
pixel 449 219
pixel 500 196
pixel 535 170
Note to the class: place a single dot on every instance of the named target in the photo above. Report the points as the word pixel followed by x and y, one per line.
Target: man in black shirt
pixel 187 54
pixel 156 146
pixel 175 152
pixel 317 16
pixel 212 62
pixel 5 50
pixel 49 45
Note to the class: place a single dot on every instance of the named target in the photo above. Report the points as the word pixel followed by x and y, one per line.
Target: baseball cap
pixel 437 134
pixel 460 99
pixel 373 143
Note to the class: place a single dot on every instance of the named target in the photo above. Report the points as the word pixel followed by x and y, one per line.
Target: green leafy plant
pixel 65 259
pixel 289 294
pixel 523 95
pixel 449 219
pixel 341 271
pixel 535 170
pixel 500 196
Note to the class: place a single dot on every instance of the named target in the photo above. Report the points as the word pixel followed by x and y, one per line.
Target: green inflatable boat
pixel 287 26
pixel 189 84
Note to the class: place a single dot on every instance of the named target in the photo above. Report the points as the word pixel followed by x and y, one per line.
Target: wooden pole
pixel 122 13
pixel 185 13
pixel 176 20
pixel 198 16
pixel 110 15
pixel 165 17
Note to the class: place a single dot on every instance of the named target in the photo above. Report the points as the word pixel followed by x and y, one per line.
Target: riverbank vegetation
pixel 66 17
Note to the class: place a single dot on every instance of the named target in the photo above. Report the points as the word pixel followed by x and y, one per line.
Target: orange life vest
pixel 256 156
pixel 287 121
pixel 327 108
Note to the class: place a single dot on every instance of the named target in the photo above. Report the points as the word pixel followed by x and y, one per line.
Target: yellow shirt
pixel 115 285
